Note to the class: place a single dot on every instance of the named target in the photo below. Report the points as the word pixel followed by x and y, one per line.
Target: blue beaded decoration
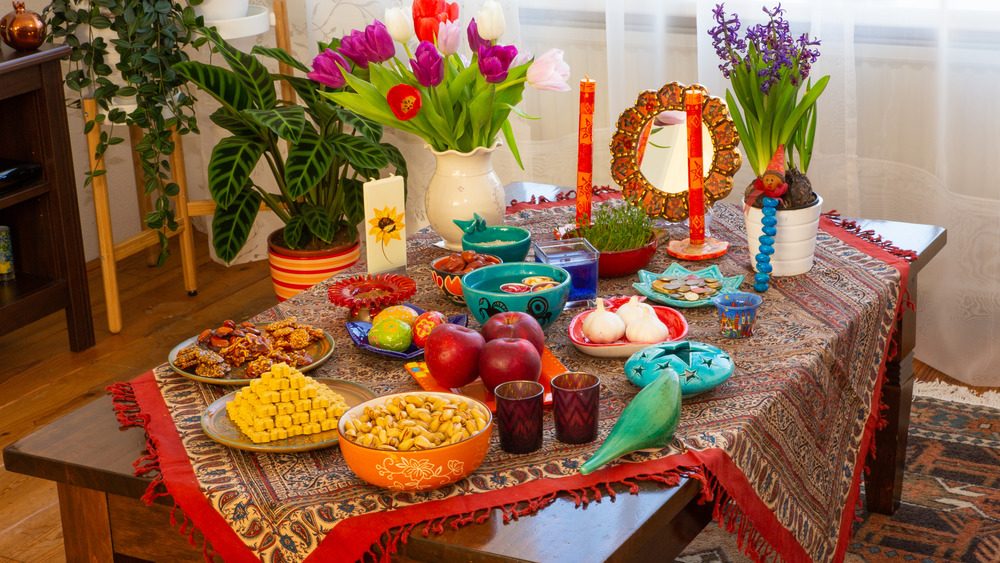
pixel 763 276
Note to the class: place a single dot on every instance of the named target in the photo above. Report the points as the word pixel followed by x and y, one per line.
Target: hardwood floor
pixel 40 379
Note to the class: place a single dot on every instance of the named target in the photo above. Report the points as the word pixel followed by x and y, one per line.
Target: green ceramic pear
pixel 648 421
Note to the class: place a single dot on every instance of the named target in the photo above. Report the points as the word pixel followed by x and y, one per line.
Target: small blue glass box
pixel 578 257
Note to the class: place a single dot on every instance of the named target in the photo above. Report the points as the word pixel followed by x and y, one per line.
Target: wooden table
pixel 90 459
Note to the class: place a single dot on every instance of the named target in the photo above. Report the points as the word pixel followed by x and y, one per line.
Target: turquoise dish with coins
pixel 679 287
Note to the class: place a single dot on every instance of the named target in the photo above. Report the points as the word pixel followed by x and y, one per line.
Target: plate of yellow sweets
pixel 282 411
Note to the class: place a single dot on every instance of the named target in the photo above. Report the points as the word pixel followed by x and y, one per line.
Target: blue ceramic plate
pixel 646 279
pixel 358 331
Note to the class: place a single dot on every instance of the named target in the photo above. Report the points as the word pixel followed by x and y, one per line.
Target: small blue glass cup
pixel 737 313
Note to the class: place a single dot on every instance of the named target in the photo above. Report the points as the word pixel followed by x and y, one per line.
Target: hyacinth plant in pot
pixel 457 105
pixel 773 104
pixel 319 154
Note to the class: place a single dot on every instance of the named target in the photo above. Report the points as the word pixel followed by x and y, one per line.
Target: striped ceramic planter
pixel 293 271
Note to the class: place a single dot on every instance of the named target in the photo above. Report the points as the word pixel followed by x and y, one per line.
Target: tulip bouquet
pixel 440 95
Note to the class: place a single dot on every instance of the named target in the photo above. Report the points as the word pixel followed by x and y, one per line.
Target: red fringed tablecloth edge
pixel 885 250
pixel 139 403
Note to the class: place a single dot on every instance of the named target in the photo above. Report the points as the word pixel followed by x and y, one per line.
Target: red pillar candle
pixel 585 153
pixel 696 169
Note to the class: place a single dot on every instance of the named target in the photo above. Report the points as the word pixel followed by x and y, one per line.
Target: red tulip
pixel 404 101
pixel 428 15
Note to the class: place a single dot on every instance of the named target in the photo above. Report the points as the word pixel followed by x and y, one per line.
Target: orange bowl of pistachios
pixel 415 441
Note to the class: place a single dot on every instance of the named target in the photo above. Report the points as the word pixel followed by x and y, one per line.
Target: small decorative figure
pixel 22 29
pixel 771 184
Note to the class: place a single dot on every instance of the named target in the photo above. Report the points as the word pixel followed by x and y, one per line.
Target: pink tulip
pixel 549 72
pixel 449 35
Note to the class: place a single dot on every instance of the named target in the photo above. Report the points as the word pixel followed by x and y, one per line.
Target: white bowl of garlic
pixel 621 326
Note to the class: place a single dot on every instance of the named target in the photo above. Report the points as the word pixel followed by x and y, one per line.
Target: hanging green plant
pixel 149 37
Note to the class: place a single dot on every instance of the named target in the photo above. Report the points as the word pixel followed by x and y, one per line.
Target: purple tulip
pixel 373 45
pixel 476 42
pixel 329 68
pixel 428 66
pixel 495 61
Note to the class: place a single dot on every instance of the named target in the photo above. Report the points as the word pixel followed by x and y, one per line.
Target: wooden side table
pixel 43 215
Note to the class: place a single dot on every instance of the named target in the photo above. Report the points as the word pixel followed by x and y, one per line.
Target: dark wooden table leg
pixel 884 483
pixel 86 524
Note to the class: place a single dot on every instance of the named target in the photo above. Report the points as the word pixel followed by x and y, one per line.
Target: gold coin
pixel 691 296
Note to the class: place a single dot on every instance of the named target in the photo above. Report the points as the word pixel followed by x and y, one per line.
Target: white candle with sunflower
pixel 385 211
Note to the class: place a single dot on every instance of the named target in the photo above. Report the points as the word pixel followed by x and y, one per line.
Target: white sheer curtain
pixel 908 124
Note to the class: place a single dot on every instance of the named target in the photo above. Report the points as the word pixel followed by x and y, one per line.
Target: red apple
pixel 508 359
pixel 452 354
pixel 515 324
pixel 424 324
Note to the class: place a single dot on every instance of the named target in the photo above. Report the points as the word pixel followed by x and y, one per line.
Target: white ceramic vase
pixel 795 241
pixel 463 184
pixel 218 10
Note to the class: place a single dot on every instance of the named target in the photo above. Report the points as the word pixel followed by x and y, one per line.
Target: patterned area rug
pixel 951 496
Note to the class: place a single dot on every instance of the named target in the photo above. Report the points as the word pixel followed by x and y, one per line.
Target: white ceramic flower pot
pixel 463 184
pixel 215 10
pixel 795 241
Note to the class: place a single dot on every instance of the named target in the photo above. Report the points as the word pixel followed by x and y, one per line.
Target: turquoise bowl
pixel 509 243
pixel 484 299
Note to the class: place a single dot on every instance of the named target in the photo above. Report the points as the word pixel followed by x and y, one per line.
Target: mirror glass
pixel 649 151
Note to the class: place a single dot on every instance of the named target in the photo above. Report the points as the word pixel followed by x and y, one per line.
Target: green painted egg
pixel 391 334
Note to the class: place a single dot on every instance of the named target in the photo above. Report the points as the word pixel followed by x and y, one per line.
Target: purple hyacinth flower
pixel 373 45
pixel 494 62
pixel 476 41
pixel 428 66
pixel 329 68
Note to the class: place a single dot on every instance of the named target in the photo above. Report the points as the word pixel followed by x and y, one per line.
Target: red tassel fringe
pixel 870 236
pixel 127 410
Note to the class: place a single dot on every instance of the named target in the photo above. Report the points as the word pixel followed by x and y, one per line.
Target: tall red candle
pixel 585 153
pixel 696 195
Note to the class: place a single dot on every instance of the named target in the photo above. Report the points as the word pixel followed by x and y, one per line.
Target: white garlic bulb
pixel 632 310
pixel 603 326
pixel 647 328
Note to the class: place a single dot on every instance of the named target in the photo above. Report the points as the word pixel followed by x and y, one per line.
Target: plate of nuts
pixel 234 354
pixel 446 435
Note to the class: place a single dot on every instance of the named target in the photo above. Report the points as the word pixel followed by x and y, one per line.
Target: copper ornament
pixel 22 29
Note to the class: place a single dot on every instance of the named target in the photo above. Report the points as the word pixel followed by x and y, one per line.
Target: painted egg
pixel 424 324
pixel 406 314
pixel 391 334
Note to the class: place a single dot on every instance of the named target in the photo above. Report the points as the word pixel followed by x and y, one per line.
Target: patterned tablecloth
pixel 780 443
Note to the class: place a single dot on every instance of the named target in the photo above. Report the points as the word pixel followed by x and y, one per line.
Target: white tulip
pixel 399 24
pixel 490 21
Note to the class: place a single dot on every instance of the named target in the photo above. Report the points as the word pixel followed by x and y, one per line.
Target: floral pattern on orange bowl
pixel 416 469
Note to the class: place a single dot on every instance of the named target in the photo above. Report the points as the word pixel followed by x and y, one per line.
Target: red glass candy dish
pixel 372 292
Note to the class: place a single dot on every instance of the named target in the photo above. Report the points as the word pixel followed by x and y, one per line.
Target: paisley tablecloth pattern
pixel 791 417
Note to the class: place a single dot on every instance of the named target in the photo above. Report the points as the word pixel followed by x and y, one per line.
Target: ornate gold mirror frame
pixel 629 143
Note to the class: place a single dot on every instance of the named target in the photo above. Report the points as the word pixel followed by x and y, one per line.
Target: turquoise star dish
pixel 699 366
pixel 646 279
